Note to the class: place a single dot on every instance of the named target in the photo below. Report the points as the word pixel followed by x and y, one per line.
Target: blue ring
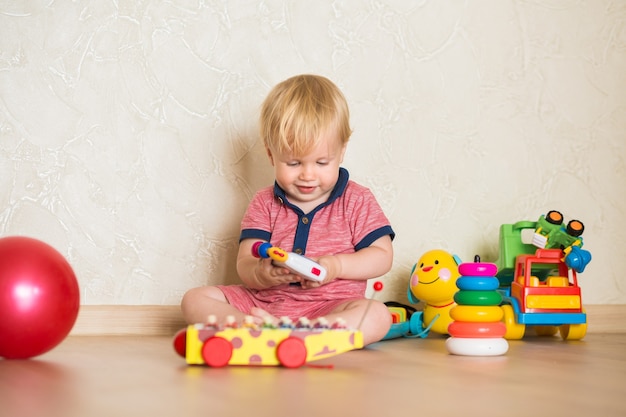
pixel 475 283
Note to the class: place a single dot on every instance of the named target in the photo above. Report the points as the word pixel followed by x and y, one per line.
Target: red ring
pixel 467 329
pixel 255 249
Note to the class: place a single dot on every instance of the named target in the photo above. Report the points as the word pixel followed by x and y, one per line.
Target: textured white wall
pixel 128 129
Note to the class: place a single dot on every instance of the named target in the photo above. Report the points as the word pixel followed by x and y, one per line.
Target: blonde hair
pixel 299 110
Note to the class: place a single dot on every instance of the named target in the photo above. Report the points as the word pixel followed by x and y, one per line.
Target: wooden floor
pixel 90 376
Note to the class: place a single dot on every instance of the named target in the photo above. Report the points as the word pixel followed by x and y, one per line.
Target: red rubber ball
pixel 39 297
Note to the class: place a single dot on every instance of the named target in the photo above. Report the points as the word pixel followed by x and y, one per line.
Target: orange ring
pixel 482 314
pixel 476 329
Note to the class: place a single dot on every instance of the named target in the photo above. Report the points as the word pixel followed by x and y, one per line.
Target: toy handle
pixel 266 250
pixel 524 224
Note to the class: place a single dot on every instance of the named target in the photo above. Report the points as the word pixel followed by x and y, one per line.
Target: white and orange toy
pixel 298 264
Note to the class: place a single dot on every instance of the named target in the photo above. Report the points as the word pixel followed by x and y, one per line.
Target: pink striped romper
pixel 350 220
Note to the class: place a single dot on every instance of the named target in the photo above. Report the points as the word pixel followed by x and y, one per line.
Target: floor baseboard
pixel 142 320
pixel 165 320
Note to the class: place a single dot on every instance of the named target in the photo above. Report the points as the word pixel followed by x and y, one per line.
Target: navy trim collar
pixel 340 187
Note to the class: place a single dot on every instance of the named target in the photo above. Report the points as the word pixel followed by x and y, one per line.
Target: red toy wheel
pixel 180 342
pixel 291 352
pixel 217 351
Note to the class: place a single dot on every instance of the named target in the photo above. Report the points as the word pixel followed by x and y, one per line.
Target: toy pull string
pixel 378 286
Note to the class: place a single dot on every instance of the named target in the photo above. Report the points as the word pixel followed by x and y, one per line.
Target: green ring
pixel 478 298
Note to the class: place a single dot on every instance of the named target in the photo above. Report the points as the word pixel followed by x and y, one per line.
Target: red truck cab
pixel 544 293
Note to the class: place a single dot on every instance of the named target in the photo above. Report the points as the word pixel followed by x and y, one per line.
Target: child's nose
pixel 308 171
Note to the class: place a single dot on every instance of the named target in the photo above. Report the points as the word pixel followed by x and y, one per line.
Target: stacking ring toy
pixel 478 268
pixel 477 347
pixel 482 330
pixel 477 283
pixel 478 298
pixel 483 314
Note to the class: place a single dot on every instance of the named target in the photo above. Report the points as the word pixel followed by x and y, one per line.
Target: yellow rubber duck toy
pixel 433 281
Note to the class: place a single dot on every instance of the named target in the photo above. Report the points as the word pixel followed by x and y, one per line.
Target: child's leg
pixel 370 316
pixel 198 303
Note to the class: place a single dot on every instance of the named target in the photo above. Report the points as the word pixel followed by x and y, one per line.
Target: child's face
pixel 309 179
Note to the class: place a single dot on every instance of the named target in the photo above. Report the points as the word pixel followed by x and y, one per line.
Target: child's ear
pixel 343 152
pixel 269 155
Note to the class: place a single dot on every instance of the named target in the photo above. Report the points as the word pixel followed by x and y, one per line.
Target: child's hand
pixel 333 270
pixel 270 275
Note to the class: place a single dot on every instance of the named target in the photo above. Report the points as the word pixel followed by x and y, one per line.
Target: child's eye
pixel 322 163
pixel 293 163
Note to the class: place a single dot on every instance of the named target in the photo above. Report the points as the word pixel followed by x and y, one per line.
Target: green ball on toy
pixel 39 297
